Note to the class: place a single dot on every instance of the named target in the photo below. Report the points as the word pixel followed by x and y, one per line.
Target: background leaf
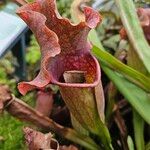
pixel 138 123
pixel 132 25
pixel 136 96
pixel 130 143
pixel 131 74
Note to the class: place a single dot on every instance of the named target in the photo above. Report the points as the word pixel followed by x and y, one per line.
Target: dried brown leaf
pixel 37 140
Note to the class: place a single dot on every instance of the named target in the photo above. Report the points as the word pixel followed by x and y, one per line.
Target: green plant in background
pixel 64 7
pixel 138 98
pixel 33 53
pixel 11 133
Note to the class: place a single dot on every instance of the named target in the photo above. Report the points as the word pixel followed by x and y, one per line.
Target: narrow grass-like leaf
pixel 138 123
pixel 132 25
pixel 137 97
pixel 131 74
pixel 130 143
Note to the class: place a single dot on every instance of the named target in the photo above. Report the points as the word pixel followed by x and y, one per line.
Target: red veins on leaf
pixel 64 46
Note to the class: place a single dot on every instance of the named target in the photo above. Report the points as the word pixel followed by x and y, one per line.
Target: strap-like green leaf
pixel 131 74
pixel 136 96
pixel 132 25
pixel 138 124
pixel 130 143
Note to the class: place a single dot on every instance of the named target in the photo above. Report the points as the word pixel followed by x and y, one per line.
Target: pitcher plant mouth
pixel 63 45
pixel 91 75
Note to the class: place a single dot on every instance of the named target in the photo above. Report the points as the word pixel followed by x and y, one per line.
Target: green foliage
pixel 64 7
pixel 6 71
pixel 6 67
pixel 147 147
pixel 130 143
pixel 132 25
pixel 33 52
pixel 138 124
pixel 3 74
pixel 131 74
pixel 11 131
pixel 10 128
pixel 136 96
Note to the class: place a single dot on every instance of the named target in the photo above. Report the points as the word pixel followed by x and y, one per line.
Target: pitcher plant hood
pixel 63 45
